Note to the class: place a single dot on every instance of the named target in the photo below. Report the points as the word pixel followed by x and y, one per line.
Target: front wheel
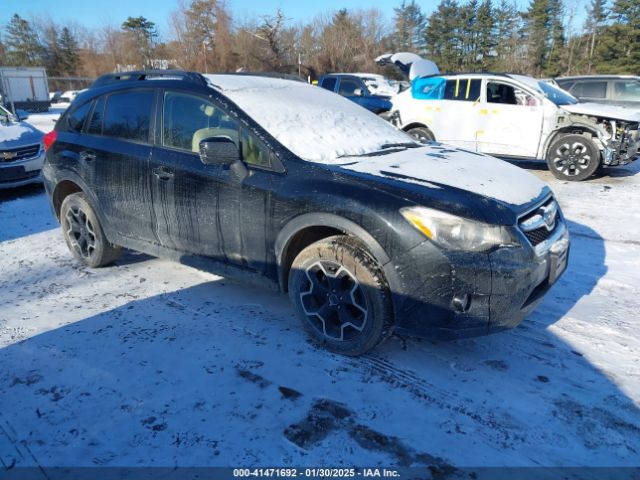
pixel 83 233
pixel 573 157
pixel 341 295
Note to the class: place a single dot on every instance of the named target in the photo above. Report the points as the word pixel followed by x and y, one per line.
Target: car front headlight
pixel 457 233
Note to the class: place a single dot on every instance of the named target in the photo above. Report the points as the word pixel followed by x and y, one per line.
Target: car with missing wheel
pixel 21 152
pixel 515 117
pixel 263 179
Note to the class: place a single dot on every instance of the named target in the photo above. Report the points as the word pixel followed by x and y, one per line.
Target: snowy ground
pixel 152 363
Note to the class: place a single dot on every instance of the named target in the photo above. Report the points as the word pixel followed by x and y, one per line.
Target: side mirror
pixel 219 150
pixel 357 92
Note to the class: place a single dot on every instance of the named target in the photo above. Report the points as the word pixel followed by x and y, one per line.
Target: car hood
pixel 441 167
pixel 601 110
pixel 18 134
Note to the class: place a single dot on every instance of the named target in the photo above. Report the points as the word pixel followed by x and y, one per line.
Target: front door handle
pixel 87 156
pixel 162 173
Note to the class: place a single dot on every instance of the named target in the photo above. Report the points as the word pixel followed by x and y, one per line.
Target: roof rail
pixel 139 75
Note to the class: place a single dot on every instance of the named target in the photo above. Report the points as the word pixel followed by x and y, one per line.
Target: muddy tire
pixel 422 134
pixel 341 295
pixel 573 157
pixel 83 233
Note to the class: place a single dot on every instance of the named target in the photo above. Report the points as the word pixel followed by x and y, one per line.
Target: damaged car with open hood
pixel 513 116
pixel 263 179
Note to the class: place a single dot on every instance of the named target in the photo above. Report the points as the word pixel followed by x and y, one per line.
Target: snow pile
pixel 315 124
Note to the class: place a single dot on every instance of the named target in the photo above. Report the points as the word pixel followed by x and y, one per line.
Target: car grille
pixel 20 153
pixel 540 223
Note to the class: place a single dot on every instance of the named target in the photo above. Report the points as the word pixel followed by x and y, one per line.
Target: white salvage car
pixel 515 117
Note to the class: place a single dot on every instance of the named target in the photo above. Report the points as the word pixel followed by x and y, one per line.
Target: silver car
pixel 21 151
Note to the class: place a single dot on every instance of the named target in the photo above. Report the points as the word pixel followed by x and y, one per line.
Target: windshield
pixel 313 123
pixel 557 95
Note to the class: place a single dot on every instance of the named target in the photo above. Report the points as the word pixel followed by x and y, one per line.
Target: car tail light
pixel 49 139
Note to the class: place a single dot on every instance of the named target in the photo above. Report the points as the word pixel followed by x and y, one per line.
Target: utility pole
pixel 204 50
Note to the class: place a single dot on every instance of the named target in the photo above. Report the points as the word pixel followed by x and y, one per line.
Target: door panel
pixel 206 209
pixel 456 114
pixel 510 121
pixel 115 151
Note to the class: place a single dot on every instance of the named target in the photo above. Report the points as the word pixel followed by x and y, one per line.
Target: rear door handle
pixel 87 156
pixel 162 173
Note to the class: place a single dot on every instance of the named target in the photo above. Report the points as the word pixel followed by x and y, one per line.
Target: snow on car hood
pixel 312 122
pixel 17 133
pixel 601 110
pixel 438 165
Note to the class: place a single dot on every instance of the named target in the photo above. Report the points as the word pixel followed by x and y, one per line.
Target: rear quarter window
pixel 77 117
pixel 128 115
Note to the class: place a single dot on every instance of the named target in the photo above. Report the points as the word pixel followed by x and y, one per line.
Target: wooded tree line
pixel 471 35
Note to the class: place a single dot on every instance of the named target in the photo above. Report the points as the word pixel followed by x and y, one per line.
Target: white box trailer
pixel 24 88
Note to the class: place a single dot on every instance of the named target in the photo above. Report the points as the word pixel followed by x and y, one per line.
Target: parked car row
pixel 264 178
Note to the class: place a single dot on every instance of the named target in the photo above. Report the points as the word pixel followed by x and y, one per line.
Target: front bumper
pixel 449 295
pixel 21 172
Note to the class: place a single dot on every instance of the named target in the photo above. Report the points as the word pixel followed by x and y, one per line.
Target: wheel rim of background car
pixel 572 159
pixel 80 232
pixel 334 301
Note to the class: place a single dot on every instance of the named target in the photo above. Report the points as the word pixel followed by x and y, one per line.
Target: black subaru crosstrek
pixel 299 188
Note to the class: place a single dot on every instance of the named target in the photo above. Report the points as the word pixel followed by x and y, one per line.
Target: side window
pixel 509 95
pixel 329 83
pixel 128 115
pixel 465 89
pixel 590 89
pixel 254 152
pixel 77 117
pixel 348 87
pixel 95 122
pixel 626 90
pixel 188 119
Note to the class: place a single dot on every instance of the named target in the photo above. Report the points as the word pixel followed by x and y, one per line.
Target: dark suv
pixel 264 178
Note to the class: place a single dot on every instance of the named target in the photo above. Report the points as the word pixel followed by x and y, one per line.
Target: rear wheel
pixel 83 233
pixel 422 134
pixel 341 295
pixel 573 157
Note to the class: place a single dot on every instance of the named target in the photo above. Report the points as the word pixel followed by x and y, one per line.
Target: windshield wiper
pixel 384 149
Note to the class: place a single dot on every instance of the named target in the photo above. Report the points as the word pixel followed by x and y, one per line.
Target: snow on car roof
pixel 314 123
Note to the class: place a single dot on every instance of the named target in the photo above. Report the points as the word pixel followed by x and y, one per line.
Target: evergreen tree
pixel 409 23
pixel 442 36
pixel 538 28
pixel 21 43
pixel 51 52
pixel 507 33
pixel 555 64
pixel 618 50
pixel 143 34
pixel 486 39
pixel 69 53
